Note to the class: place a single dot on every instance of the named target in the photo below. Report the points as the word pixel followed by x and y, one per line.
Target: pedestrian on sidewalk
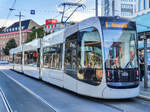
pixel 141 62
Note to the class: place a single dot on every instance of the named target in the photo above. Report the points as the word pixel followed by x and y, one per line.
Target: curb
pixel 144 97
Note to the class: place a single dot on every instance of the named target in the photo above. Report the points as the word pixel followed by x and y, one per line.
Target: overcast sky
pixel 44 9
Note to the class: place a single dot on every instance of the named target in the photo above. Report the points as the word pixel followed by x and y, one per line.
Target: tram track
pixel 5 101
pixel 114 107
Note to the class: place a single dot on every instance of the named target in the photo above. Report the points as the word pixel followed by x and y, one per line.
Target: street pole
pixel 36 35
pixel 41 57
pixel 96 7
pixel 145 63
pixel 113 8
pixel 20 28
pixel 20 38
pixel 63 14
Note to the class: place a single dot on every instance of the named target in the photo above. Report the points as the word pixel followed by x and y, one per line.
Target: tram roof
pixel 54 38
pixel 15 50
pixel 33 45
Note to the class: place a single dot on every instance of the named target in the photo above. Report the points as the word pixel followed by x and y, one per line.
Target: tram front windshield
pixel 120 49
pixel 120 54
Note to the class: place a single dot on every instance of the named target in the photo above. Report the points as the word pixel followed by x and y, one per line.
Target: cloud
pixel 6 23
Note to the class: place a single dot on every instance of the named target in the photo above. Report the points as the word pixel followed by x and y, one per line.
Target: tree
pixel 40 34
pixel 10 44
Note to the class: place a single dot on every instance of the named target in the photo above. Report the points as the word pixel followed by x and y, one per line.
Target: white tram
pixel 96 57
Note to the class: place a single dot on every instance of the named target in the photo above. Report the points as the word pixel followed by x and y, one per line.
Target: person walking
pixel 141 67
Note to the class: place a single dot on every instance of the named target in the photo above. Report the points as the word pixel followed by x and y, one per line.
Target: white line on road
pixel 9 109
pixel 30 91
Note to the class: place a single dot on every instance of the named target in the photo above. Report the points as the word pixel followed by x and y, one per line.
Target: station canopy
pixel 143 22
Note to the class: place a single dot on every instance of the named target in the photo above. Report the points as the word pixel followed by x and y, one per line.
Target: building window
pixel 16 28
pixel 22 27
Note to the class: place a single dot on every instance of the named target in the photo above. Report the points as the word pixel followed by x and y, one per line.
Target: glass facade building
pixel 143 5
pixel 124 8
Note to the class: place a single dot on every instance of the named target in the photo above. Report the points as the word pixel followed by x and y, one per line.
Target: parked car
pixel 4 62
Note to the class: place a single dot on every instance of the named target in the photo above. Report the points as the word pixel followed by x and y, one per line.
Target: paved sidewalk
pixel 144 92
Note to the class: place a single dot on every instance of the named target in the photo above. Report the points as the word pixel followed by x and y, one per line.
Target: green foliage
pixel 40 34
pixel 10 44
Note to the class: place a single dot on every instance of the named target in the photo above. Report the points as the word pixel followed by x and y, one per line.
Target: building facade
pixel 12 32
pixel 142 5
pixel 123 8
pixel 56 27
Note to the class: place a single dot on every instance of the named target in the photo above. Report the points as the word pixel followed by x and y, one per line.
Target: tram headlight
pixel 109 78
pixel 137 75
pixel 108 74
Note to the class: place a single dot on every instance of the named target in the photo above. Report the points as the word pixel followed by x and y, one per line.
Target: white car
pixel 4 62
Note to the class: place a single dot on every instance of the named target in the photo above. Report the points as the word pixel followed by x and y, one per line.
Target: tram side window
pixel 70 64
pixel 11 58
pixel 52 57
pixel 18 58
pixel 90 68
pixel 31 58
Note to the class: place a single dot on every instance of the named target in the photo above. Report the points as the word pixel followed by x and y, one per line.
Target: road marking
pixel 9 109
pixel 30 91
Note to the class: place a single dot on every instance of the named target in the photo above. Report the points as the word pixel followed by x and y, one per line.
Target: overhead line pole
pixel 96 7
pixel 145 63
pixel 20 27
pixel 20 36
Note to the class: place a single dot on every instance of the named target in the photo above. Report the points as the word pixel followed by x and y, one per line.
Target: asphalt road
pixel 65 101
pixel 19 99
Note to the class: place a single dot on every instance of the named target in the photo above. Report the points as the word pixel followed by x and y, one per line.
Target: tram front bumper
pixel 111 93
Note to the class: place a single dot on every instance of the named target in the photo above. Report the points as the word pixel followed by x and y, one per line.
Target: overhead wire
pixel 9 13
pixel 13 5
pixel 70 7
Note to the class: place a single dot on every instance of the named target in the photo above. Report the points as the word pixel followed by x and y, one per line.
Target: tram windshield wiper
pixel 129 63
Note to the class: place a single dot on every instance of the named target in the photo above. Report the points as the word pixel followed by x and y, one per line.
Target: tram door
pixel 70 63
pixel 90 64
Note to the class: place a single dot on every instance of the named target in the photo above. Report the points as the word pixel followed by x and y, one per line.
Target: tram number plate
pixel 124 74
